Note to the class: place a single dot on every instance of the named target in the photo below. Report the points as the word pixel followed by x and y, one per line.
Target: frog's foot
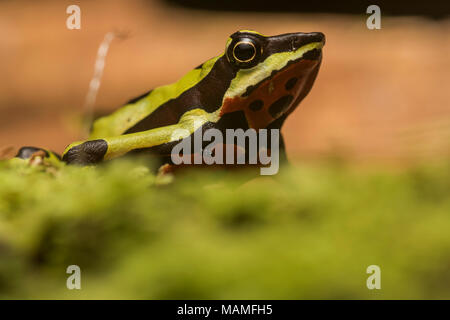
pixel 86 153
pixel 26 153
pixel 38 156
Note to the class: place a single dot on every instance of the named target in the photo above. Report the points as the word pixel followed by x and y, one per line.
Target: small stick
pixel 94 85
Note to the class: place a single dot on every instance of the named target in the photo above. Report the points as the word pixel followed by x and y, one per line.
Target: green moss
pixel 311 232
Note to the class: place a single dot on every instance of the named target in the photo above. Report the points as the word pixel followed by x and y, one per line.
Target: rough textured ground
pixel 381 95
pixel 311 232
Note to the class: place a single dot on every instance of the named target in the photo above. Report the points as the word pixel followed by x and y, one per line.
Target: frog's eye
pixel 244 53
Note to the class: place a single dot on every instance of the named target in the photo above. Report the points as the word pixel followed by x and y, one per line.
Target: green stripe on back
pixel 127 116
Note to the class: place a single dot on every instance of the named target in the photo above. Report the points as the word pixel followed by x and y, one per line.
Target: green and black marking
pixel 256 83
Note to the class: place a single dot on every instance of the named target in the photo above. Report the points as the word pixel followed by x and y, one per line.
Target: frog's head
pixel 272 74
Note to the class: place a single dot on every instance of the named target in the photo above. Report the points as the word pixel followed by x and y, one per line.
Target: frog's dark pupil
pixel 244 51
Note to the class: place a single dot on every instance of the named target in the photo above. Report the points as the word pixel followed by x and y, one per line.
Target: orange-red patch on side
pixel 268 92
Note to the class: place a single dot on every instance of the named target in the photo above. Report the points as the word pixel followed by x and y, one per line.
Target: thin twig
pixel 94 85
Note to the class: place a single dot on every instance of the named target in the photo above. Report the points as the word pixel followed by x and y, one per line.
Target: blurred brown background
pixel 382 95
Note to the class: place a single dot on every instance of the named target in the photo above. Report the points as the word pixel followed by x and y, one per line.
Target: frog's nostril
pixel 293 45
pixel 297 43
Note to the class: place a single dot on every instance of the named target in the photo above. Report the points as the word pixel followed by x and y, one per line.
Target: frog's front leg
pixel 95 151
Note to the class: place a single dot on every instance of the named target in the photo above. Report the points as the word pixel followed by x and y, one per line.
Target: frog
pixel 256 83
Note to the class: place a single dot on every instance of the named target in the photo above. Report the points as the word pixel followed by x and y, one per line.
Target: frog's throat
pixel 250 77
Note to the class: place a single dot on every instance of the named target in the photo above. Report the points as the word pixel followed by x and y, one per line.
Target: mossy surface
pixel 308 233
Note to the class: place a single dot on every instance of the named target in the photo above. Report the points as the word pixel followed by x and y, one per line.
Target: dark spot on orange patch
pixel 256 105
pixel 269 91
pixel 280 106
pixel 290 83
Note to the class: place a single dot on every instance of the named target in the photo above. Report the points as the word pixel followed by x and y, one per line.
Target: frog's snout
pixel 317 37
pixel 300 39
